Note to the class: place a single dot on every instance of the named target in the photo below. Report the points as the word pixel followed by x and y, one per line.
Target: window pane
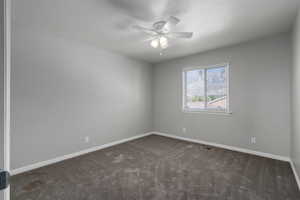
pixel 195 97
pixel 216 89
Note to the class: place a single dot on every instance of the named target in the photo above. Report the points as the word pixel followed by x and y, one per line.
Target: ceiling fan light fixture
pixel 154 43
pixel 161 33
pixel 164 43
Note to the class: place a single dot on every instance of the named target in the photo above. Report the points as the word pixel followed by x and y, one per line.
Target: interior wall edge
pixel 295 108
pixel 295 173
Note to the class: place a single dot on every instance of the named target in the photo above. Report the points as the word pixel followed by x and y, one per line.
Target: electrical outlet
pixel 253 140
pixel 87 139
pixel 184 130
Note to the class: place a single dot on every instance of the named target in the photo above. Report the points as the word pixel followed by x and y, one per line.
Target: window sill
pixel 229 113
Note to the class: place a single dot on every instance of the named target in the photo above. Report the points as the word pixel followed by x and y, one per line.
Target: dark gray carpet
pixel 159 168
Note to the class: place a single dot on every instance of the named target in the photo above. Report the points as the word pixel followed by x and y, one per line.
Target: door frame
pixel 7 88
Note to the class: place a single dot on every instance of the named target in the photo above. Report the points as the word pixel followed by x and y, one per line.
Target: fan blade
pixel 146 30
pixel 150 39
pixel 180 35
pixel 172 21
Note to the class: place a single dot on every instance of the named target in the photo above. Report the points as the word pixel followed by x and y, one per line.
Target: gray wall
pixel 259 97
pixel 64 90
pixel 295 146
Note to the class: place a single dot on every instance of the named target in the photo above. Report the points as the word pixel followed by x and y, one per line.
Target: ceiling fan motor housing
pixel 159 25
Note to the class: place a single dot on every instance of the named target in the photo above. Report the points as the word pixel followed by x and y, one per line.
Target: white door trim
pixel 7 69
pixel 7 77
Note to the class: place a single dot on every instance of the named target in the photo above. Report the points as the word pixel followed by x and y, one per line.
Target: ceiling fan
pixel 160 32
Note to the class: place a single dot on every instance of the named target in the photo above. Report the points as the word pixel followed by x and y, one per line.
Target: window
pixel 206 89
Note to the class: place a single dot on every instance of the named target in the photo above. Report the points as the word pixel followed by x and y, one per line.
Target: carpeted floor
pixel 159 168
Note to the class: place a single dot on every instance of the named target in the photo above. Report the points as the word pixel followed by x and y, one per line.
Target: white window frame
pixel 184 90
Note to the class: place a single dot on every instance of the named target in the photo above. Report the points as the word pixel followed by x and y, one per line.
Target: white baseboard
pixel 295 173
pixel 72 155
pixel 232 148
pixel 96 148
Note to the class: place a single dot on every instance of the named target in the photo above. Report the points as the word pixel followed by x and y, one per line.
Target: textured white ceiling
pixel 107 23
